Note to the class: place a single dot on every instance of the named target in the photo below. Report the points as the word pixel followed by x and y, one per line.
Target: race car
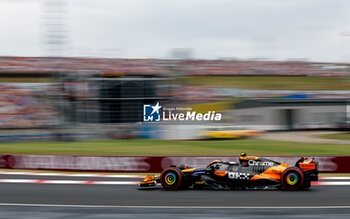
pixel 228 132
pixel 250 172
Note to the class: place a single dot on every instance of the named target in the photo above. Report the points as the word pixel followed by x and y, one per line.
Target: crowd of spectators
pixel 262 68
pixel 22 108
pixel 167 67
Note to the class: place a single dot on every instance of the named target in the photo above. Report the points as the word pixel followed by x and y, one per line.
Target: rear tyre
pixel 172 179
pixel 292 178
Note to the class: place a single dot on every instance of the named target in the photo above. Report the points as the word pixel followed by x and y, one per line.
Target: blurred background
pixel 75 76
pixel 82 70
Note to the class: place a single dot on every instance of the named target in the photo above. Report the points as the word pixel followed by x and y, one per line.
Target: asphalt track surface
pixel 126 201
pixel 124 195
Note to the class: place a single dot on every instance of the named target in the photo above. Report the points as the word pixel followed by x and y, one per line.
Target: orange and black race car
pixel 250 172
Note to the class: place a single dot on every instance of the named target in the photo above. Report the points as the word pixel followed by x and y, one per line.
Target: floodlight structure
pixel 55 28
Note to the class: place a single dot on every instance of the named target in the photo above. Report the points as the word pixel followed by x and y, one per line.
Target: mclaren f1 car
pixel 249 172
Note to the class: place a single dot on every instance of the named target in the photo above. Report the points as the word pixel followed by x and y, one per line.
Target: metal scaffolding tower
pixel 55 28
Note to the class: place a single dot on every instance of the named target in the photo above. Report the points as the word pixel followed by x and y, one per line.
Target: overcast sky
pixel 314 30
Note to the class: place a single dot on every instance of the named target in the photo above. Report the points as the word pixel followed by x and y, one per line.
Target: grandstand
pixel 97 90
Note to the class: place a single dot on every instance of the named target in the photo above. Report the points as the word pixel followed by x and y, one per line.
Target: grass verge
pixel 338 136
pixel 162 147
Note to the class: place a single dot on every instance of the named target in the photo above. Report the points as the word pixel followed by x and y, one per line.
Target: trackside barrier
pixel 151 164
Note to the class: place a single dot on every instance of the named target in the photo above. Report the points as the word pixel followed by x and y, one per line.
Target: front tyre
pixel 292 178
pixel 172 179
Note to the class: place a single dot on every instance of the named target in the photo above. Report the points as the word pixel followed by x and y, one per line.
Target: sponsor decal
pixel 237 175
pixel 80 163
pixel 260 163
pixel 196 173
pixel 152 113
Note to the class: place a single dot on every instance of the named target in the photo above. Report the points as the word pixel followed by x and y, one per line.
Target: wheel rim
pixel 292 179
pixel 170 179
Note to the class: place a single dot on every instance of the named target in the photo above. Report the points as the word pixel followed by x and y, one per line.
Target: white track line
pixel 331 183
pixel 68 182
pixel 70 174
pixel 178 207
